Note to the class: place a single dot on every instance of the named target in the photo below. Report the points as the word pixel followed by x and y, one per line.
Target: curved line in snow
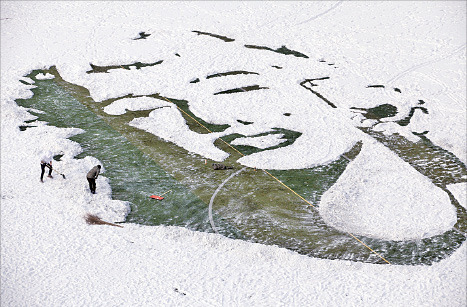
pixel 424 64
pixel 321 14
pixel 211 220
pixel 445 89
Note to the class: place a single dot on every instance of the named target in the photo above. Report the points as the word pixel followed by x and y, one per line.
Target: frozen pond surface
pixel 348 121
pixel 252 206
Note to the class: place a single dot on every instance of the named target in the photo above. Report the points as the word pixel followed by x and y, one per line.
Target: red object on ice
pixel 159 197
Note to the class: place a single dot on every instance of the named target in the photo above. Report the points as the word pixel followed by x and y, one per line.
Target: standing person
pixel 92 176
pixel 46 161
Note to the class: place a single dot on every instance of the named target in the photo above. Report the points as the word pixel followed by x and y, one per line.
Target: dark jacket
pixel 94 172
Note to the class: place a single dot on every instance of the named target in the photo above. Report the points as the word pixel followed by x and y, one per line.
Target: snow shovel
pixel 159 197
pixel 59 173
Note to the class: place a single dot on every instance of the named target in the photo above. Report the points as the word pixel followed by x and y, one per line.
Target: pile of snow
pixel 386 200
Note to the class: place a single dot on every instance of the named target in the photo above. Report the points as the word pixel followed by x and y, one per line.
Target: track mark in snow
pixel 214 196
pixel 445 90
pixel 321 14
pixel 398 76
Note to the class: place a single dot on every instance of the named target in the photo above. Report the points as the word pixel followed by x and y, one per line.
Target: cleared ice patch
pixel 382 197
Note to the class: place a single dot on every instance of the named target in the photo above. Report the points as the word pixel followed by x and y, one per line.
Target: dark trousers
pixel 43 165
pixel 92 185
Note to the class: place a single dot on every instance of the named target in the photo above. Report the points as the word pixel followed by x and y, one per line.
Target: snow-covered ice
pixel 460 192
pixel 168 124
pixel 260 141
pixel 50 256
pixel 46 76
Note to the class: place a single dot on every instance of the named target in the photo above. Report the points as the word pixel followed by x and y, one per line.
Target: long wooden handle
pixel 165 192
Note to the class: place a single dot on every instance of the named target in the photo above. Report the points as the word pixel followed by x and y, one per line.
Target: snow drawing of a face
pixel 292 112
pixel 253 90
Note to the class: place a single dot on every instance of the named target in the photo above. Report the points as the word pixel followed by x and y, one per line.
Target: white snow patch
pixel 260 141
pixel 36 111
pixel 42 76
pixel 394 128
pixel 460 192
pixel 319 144
pixel 169 124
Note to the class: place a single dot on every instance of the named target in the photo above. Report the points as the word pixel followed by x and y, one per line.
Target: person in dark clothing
pixel 46 161
pixel 92 176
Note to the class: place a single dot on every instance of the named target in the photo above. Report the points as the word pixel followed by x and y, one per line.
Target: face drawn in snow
pixel 136 87
pixel 255 91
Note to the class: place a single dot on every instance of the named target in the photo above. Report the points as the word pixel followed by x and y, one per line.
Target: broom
pixel 159 197
pixel 59 173
pixel 92 219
